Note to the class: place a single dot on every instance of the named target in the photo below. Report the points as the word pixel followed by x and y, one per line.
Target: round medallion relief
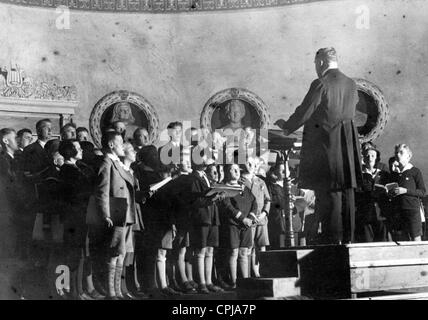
pixel 126 106
pixel 251 110
pixel 372 111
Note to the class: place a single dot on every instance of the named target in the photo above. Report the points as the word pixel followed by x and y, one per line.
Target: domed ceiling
pixel 156 6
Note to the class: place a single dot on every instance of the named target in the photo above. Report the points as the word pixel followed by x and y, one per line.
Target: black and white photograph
pixel 213 154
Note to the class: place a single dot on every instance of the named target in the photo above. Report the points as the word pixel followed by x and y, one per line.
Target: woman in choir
pixel 371 202
pixel 77 186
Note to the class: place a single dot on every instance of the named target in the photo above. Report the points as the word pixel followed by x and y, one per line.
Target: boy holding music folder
pixel 204 225
pixel 159 222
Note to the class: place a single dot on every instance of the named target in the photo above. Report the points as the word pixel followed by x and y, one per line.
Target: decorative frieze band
pixel 157 6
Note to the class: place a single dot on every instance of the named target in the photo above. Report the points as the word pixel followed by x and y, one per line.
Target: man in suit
pixel 9 147
pixel 9 173
pixel 24 137
pixel 141 138
pixel 35 158
pixel 169 153
pixel 68 131
pixel 115 212
pixel 330 155
pixel 8 167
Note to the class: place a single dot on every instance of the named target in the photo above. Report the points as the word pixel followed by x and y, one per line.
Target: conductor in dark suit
pixel 330 156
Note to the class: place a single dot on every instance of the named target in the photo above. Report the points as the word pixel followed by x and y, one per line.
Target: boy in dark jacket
pixel 204 233
pixel 240 212
pixel 408 194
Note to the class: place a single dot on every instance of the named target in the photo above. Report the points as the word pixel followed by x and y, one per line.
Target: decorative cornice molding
pixel 15 84
pixel 157 6
pixel 29 106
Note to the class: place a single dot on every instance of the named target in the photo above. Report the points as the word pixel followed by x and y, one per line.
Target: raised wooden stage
pixel 341 271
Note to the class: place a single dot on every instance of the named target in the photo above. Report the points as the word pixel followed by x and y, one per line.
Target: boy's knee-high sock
pixel 181 265
pixel 208 267
pixel 243 262
pixel 118 280
pixel 200 262
pixel 110 276
pixel 161 269
pixel 233 261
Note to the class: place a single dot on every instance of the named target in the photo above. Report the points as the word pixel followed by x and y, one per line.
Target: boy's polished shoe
pixel 140 294
pixel 128 296
pixel 174 285
pixel 213 288
pixel 84 296
pixel 202 288
pixel 194 284
pixel 187 287
pixel 94 294
pixel 169 292
pixel 223 284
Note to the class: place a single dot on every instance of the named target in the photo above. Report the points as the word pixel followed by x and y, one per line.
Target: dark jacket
pixel 204 211
pixel 412 180
pixel 181 202
pixel 76 188
pixel 245 203
pixel 156 211
pixel 8 168
pixel 35 158
pixel 12 188
pixel 367 198
pixel 330 155
pixel 278 221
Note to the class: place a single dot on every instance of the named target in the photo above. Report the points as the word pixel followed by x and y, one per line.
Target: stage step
pixel 341 271
pixel 407 296
pixel 256 288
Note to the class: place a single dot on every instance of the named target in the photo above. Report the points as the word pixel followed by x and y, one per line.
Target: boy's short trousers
pixel 204 236
pixel 411 223
pixel 238 237
pixel 260 235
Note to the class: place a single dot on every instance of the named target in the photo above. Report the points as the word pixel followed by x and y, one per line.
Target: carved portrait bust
pixel 234 112
pixel 122 111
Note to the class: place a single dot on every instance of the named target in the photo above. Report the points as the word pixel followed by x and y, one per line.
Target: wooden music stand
pixel 284 145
